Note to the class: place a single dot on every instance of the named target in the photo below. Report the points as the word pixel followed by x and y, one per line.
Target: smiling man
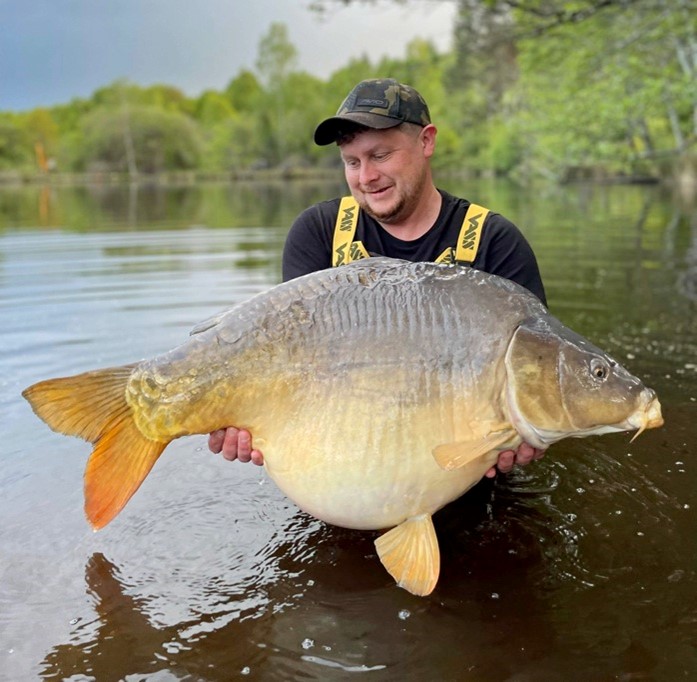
pixel 386 139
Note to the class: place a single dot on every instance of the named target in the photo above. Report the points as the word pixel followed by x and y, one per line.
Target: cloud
pixel 55 50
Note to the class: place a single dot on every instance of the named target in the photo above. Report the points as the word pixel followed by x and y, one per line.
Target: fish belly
pixel 371 490
pixel 362 457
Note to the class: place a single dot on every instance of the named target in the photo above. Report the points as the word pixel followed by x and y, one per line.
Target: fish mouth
pixel 648 416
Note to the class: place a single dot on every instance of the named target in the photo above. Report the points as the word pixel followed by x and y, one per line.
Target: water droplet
pixel 676 576
pixel 308 643
pixel 246 670
pixel 495 595
pixel 404 614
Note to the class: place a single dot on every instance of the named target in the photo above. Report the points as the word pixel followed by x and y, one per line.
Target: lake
pixel 581 566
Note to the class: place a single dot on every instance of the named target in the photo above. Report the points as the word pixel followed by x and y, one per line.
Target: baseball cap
pixel 377 103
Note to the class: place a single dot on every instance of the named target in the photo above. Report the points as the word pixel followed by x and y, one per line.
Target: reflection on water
pixel 579 567
pixel 102 208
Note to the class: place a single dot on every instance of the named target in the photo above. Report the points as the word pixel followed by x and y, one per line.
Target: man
pixel 386 139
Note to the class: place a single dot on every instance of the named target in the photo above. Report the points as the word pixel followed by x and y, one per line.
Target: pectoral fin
pixel 451 456
pixel 410 554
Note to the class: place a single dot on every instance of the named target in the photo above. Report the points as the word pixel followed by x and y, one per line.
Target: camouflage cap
pixel 379 103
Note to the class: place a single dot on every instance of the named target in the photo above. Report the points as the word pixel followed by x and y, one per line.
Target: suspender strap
pixel 344 250
pixel 344 230
pixel 470 233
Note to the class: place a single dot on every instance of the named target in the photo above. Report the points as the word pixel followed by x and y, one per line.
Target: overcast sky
pixel 54 50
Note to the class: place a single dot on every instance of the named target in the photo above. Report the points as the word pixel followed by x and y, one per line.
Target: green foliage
pixel 42 129
pixel 277 56
pixel 212 108
pixel 244 91
pixel 15 144
pixel 610 93
pixel 546 87
pixel 158 140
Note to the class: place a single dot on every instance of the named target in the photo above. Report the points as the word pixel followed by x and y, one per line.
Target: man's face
pixel 387 171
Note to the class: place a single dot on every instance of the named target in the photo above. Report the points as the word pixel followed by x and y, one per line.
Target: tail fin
pixel 93 406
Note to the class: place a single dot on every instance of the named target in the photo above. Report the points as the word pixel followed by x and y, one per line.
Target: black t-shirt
pixel 503 250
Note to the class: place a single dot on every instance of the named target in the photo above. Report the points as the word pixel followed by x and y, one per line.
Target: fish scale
pixel 378 392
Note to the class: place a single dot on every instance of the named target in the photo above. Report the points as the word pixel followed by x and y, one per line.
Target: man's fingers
pixel 234 444
pixel 505 461
pixel 508 458
pixel 525 454
pixel 244 446
pixel 215 441
pixel 230 449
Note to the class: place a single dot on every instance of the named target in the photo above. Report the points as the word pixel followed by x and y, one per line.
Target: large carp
pixel 378 392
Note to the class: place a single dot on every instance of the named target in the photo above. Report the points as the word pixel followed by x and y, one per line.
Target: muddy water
pixel 579 567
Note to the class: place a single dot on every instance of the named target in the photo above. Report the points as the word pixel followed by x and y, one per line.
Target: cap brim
pixel 329 130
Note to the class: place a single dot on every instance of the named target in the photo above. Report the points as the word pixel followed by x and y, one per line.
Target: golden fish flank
pixel 378 392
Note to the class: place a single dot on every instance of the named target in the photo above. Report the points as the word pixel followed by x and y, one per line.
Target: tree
pixel 615 90
pixel 159 140
pixel 15 145
pixel 213 107
pixel 276 60
pixel 43 133
pixel 244 91
pixel 277 56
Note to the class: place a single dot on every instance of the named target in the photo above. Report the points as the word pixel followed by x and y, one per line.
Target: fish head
pixel 559 385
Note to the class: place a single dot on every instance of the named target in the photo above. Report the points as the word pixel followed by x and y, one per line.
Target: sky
pixel 52 51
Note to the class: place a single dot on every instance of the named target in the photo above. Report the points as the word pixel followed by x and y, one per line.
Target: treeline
pixel 605 94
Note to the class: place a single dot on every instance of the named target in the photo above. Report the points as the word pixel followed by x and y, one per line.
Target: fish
pixel 378 392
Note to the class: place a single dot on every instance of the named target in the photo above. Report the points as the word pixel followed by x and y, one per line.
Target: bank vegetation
pixel 539 89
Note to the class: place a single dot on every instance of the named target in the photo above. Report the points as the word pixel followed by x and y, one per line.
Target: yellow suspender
pixel 345 228
pixel 470 233
pixel 345 250
pixel 468 239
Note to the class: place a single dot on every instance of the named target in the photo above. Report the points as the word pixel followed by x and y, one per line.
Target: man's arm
pixel 308 249
pixel 505 252
pixel 308 246
pixel 237 444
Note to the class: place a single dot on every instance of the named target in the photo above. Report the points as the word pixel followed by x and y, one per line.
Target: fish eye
pixel 600 369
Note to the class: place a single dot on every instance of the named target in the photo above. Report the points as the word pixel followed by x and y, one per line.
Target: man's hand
pixel 234 444
pixel 508 458
pixel 237 444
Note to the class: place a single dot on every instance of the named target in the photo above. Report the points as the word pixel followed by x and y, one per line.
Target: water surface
pixel 579 567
